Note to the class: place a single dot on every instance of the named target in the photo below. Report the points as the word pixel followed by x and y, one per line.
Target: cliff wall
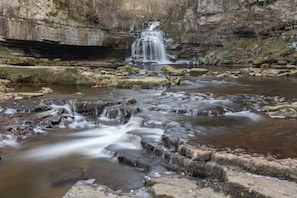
pixel 106 23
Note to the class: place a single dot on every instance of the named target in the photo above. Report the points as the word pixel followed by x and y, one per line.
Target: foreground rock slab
pixel 177 186
pixel 242 184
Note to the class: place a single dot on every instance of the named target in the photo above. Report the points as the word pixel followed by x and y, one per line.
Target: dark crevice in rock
pixel 65 52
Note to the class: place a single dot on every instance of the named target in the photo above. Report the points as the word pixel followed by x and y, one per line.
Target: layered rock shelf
pixel 213 174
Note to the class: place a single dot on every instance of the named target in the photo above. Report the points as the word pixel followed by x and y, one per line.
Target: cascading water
pixel 150 46
pixel 94 140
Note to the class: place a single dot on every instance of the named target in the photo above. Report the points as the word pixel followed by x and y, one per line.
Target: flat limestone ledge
pixel 169 70
pixel 80 76
pixel 280 168
pixel 284 169
pixel 87 189
pixel 175 186
pixel 242 184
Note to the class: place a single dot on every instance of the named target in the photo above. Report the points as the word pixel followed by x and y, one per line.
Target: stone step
pixel 175 186
pixel 243 184
pixel 261 165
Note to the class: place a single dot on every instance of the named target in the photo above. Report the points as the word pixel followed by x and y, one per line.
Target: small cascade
pixel 99 141
pixel 118 113
pixel 150 46
pixel 7 141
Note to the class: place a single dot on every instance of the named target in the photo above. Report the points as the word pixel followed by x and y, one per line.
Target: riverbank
pixel 200 170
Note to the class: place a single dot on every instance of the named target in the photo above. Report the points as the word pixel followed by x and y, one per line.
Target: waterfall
pixel 150 46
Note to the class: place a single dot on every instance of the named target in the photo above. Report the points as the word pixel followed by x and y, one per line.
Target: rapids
pixel 213 112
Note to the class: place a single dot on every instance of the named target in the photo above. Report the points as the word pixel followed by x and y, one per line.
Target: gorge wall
pixel 106 24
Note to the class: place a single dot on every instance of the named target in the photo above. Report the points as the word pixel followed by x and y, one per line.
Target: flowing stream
pixel 223 114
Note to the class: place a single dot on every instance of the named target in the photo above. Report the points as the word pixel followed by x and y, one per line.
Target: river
pixel 47 165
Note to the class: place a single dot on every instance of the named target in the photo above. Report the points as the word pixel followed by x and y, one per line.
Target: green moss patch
pixel 171 71
pixel 251 52
pixel 65 76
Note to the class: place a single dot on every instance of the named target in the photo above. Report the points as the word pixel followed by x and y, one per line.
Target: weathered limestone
pixel 288 110
pixel 243 184
pixel 285 169
pixel 190 22
pixel 258 165
pixel 241 175
pixel 43 21
pixel 4 95
pixel 75 23
pixel 83 76
pixel 178 186
pixel 27 95
pixel 231 180
pixel 258 72
pixel 87 189
pixel 44 31
pixel 169 70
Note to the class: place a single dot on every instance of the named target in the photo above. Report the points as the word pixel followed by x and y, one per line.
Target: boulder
pixel 169 70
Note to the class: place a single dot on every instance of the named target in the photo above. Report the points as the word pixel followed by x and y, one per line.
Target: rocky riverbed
pixel 196 170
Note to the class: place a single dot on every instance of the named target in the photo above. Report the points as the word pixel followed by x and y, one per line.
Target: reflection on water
pixel 37 179
pixel 270 136
pixel 258 134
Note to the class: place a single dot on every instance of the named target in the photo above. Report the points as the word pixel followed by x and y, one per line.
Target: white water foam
pixel 10 111
pixel 150 46
pixel 95 142
pixel 248 114
pixel 8 141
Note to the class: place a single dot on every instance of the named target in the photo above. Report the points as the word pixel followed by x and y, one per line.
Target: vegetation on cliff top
pixel 251 52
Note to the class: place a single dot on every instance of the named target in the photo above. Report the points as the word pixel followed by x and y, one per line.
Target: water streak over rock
pixel 150 46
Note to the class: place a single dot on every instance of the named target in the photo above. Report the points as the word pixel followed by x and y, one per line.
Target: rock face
pixel 107 23
pixel 177 186
pixel 213 22
pixel 42 21
pixel 100 23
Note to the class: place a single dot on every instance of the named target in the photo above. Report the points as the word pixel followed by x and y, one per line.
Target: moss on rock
pixel 130 70
pixel 171 71
pixel 2 87
pixel 167 69
pixel 22 61
pixel 198 71
pixel 251 52
pixel 144 83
